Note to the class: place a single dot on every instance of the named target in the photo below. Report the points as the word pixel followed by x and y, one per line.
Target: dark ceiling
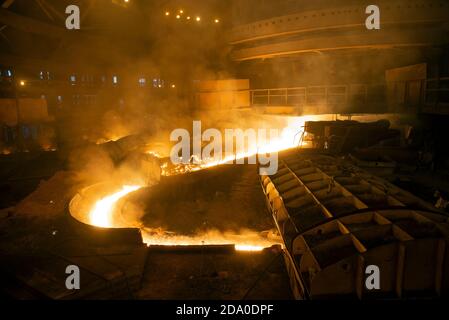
pixel 109 28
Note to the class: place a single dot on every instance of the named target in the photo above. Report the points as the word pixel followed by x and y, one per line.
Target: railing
pixel 426 95
pixel 436 96
pixel 331 95
pixel 419 95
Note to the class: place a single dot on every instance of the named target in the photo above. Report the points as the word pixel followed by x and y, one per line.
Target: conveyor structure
pixel 336 220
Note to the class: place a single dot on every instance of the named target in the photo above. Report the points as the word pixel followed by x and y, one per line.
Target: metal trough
pixel 336 220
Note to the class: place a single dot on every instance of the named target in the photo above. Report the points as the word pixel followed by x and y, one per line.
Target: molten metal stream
pixel 101 214
pixel 289 138
pixel 245 241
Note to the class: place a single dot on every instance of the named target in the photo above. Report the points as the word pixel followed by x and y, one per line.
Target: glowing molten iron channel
pixel 101 214
pixel 246 241
pixel 291 137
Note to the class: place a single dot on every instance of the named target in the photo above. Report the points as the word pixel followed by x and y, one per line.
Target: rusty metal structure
pixel 336 219
pixel 339 137
pixel 337 28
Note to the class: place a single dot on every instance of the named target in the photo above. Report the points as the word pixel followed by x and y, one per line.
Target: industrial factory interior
pixel 224 150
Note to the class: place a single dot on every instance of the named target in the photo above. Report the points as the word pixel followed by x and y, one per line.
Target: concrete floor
pixel 20 174
pixel 203 275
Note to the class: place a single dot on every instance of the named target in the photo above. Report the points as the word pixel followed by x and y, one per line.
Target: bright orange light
pixel 217 20
pixel 167 13
pixel 178 16
pixel 188 18
pixel 289 138
pixel 22 83
pixel 246 240
pixel 198 19
pixel 249 248
pixel 181 11
pixel 173 86
pixel 101 213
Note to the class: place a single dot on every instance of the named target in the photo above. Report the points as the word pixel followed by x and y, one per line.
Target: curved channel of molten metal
pixel 102 215
pixel 103 210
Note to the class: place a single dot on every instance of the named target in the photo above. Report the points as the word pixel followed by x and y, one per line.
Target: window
pixel 75 99
pixel 26 132
pixel 44 75
pixel 158 83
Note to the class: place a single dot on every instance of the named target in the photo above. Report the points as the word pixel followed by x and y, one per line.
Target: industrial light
pixel 217 20
pixel 22 83
pixel 188 18
pixel 198 19
pixel 167 13
pixel 142 82
pixel 122 3
pixel 181 11
pixel 178 16
pixel 173 86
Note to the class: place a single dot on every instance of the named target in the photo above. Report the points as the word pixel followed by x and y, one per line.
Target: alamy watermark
pixel 249 145
pixel 373 20
pixel 73 21
pixel 73 281
pixel 372 281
